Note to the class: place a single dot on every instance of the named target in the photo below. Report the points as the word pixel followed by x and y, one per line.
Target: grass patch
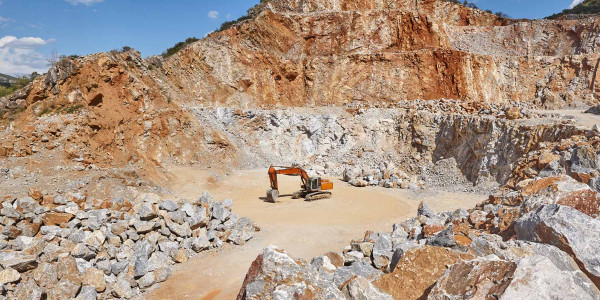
pixel 74 108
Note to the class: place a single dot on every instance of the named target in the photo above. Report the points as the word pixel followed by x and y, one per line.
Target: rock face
pixel 567 229
pixel 538 275
pixel 394 54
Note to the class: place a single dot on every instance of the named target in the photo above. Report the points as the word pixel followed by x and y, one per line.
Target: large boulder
pixel 563 190
pixel 568 229
pixel 417 270
pixel 275 275
pixel 491 277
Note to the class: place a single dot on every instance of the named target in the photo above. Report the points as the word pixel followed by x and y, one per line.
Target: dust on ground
pixel 303 229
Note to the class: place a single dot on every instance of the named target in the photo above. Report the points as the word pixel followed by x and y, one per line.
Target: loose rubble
pixel 522 241
pixel 85 249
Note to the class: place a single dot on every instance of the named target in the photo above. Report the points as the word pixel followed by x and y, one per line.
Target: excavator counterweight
pixel 312 188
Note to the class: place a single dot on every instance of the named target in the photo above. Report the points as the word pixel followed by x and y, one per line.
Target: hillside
pixel 587 7
pixel 403 105
pixel 6 80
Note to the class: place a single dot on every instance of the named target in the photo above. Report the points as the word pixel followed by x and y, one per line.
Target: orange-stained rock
pixel 462 240
pixel 513 113
pixel 546 158
pixel 56 218
pixel 506 217
pixel 336 259
pixel 585 201
pixel 479 279
pixel 417 270
pixel 48 201
pixel 431 230
pixel 538 185
pixel 35 193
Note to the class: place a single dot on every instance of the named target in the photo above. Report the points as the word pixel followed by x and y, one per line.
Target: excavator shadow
pixel 265 199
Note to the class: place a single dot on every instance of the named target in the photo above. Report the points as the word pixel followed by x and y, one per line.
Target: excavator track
pixel 317 196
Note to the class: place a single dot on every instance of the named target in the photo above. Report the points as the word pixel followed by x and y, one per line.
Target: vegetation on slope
pixel 15 83
pixel 587 7
pixel 179 46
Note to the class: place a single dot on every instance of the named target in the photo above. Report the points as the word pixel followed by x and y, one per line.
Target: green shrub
pixel 588 7
pixel 19 84
pixel 179 46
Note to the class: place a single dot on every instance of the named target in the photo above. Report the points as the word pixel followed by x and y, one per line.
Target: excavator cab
pixel 312 188
pixel 314 184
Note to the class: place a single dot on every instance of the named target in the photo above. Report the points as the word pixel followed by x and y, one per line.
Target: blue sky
pixel 31 29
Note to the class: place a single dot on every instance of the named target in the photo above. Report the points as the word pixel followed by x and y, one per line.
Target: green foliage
pixel 44 111
pixel 228 24
pixel 179 46
pixel 21 82
pixel 126 48
pixel 587 7
pixel 74 108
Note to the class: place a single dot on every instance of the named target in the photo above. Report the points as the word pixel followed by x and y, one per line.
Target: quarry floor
pixel 303 229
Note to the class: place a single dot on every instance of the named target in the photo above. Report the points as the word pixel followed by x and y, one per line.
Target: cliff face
pixel 298 53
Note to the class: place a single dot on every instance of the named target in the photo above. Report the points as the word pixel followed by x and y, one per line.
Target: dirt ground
pixel 581 118
pixel 303 229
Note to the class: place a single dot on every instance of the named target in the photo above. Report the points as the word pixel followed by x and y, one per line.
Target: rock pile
pixel 386 175
pixel 511 246
pixel 73 247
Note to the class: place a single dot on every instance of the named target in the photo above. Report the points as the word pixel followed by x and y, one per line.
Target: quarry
pixel 463 149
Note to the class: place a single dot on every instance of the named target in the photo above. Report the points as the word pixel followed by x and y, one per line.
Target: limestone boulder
pixel 275 275
pixel 569 230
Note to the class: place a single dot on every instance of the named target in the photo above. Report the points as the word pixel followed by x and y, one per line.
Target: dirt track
pixel 304 229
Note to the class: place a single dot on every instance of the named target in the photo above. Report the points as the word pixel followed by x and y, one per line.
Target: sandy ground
pixel 303 229
pixel 581 118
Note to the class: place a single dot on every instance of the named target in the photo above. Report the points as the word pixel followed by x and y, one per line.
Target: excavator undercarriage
pixel 313 188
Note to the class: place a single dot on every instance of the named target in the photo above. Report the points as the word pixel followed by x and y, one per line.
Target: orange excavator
pixel 313 188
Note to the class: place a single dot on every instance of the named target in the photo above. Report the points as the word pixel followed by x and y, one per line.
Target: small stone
pixel 188 208
pixel 9 275
pixel 142 227
pixel 147 280
pixel 200 243
pixel 161 274
pixel 28 290
pixel 168 205
pixel 95 278
pixel 56 218
pixel 180 256
pixel 219 212
pixel 87 293
pixel 45 275
pixel 353 256
pixel 122 289
pixel 18 261
pixel 119 267
pixel 146 211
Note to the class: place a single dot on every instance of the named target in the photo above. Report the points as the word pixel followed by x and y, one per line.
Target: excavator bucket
pixel 272 195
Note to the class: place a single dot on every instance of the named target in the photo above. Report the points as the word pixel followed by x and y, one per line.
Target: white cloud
pixel 85 2
pixel 19 56
pixel 575 3
pixel 213 14
pixel 2 19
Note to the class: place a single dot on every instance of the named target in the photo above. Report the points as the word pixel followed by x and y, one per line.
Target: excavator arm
pixel 291 171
